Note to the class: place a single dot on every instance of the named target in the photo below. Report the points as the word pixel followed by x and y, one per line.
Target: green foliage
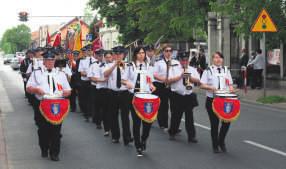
pixel 16 39
pixel 180 20
pixel 244 12
pixel 272 99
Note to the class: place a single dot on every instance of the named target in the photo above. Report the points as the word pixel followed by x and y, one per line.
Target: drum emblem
pixel 228 106
pixel 55 108
pixel 148 107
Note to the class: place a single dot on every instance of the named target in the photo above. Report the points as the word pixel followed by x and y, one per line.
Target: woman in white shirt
pixel 216 77
pixel 131 79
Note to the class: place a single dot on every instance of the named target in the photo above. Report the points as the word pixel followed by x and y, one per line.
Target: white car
pixel 15 64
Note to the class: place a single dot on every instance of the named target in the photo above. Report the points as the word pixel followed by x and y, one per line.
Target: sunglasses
pixel 170 50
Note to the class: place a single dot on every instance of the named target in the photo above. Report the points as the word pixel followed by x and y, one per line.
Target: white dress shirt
pixel 40 79
pixel 160 68
pixel 91 71
pixel 84 65
pixel 132 72
pixel 212 77
pixel 258 62
pixel 178 87
pixel 99 73
pixel 36 64
pixel 112 79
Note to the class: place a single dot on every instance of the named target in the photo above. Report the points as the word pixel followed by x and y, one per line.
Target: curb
pixel 3 149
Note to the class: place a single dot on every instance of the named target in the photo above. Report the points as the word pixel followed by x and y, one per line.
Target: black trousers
pixel 102 111
pixel 218 136
pixel 257 78
pixel 138 138
pixel 120 101
pixel 180 105
pixel 72 99
pixel 94 104
pixel 49 134
pixel 164 94
pixel 85 98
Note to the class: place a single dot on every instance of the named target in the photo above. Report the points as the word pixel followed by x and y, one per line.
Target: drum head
pixel 146 96
pixel 226 95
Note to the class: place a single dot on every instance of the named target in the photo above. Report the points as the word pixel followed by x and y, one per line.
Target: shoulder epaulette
pixel 102 64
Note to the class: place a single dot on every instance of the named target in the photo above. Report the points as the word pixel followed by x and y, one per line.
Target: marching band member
pixel 75 79
pixel 102 97
pixel 23 69
pixel 114 72
pixel 35 65
pixel 96 116
pixel 216 78
pixel 150 54
pixel 83 67
pixel 40 85
pixel 162 69
pixel 131 79
pixel 183 100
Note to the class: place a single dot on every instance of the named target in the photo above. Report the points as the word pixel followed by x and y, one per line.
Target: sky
pixel 10 9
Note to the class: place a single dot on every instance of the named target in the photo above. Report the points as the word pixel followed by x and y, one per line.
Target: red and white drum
pixel 226 106
pixel 54 110
pixel 146 106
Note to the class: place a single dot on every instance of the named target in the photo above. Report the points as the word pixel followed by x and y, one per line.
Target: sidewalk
pixel 3 152
pixel 253 94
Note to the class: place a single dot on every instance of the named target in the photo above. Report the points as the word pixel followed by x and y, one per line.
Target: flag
pixel 77 37
pixel 48 39
pixel 97 44
pixel 58 40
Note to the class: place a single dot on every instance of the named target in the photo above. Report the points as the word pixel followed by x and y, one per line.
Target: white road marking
pixel 265 147
pixel 199 125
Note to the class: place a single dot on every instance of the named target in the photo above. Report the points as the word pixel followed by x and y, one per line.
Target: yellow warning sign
pixel 264 23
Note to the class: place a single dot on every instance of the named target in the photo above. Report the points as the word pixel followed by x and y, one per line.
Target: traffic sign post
pixel 264 24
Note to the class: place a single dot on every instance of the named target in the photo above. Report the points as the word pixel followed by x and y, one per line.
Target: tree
pixel 88 16
pixel 243 13
pixel 177 20
pixel 16 39
pixel 116 14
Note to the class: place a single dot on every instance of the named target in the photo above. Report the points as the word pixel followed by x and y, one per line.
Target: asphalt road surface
pixel 257 140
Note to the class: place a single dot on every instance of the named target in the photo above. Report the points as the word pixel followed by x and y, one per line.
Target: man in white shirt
pixel 182 99
pixel 162 69
pixel 48 81
pixel 85 94
pixel 258 65
pixel 114 72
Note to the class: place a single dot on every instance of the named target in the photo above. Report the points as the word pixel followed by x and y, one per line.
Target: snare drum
pixel 54 110
pixel 226 106
pixel 146 106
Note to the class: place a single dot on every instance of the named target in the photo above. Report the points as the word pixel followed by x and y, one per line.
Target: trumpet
pixel 121 64
pixel 186 80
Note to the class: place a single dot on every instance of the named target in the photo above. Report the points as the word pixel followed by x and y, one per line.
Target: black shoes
pixel 216 150
pixel 44 154
pixel 192 140
pixel 223 148
pixel 98 127
pixel 115 141
pixel 139 152
pixel 54 158
pixel 127 141
pixel 106 134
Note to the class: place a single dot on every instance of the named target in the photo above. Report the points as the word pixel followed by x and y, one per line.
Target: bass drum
pixel 146 106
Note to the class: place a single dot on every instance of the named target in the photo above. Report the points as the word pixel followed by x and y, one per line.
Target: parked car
pixel 8 58
pixel 15 64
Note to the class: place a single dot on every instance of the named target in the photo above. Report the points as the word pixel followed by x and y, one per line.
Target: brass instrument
pixel 186 79
pixel 167 75
pixel 121 64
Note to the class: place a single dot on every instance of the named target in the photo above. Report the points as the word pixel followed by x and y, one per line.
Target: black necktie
pixel 54 87
pixel 137 85
pixel 118 80
pixel 218 69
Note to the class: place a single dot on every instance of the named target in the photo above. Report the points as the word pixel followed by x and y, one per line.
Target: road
pixel 255 141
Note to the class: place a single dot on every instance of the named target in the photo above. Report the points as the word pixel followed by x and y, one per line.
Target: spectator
pixel 258 66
